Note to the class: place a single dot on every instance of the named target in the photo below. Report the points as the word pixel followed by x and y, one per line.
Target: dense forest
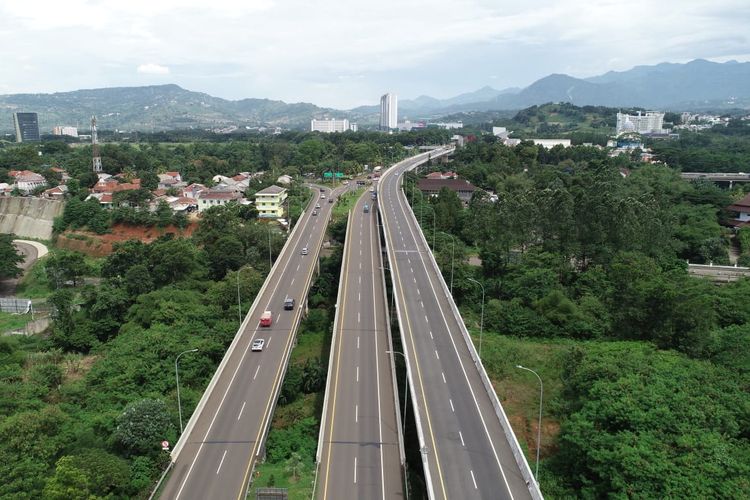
pixel 654 400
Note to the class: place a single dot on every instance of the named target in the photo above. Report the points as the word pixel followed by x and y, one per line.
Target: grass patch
pixel 34 284
pixel 309 345
pixel 518 390
pixel 276 476
pixel 345 202
pixel 9 322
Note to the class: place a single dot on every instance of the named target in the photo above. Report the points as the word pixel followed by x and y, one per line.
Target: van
pixel 266 318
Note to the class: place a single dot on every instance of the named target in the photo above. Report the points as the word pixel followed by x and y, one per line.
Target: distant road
pixel 31 250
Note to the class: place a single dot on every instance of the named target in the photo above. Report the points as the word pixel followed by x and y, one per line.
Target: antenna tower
pixel 97 161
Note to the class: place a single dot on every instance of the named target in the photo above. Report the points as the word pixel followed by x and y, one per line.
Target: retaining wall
pixel 28 217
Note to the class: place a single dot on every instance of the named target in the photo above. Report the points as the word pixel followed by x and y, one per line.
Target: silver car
pixel 258 344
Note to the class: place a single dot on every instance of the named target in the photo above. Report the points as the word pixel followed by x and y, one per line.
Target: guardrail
pixel 334 340
pixel 502 417
pixel 222 365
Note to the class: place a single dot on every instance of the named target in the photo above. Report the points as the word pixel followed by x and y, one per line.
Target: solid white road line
pixel 222 461
pixel 241 409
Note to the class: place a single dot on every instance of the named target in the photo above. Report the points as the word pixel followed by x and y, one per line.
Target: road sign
pixel 165 445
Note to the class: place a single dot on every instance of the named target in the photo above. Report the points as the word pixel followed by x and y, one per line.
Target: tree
pixel 295 465
pixel 142 426
pixel 9 258
pixel 68 482
pixel 66 267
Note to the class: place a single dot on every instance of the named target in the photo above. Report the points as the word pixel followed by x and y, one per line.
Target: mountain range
pixel 697 85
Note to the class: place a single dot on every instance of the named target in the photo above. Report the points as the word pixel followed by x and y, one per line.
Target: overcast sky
pixel 348 52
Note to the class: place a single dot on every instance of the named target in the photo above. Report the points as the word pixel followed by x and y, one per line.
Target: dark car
pixel 288 304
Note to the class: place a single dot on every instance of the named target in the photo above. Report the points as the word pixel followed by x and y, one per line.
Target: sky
pixel 343 54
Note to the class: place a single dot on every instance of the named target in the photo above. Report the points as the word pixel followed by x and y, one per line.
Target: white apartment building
pixel 388 111
pixel 650 123
pixel 63 130
pixel 332 125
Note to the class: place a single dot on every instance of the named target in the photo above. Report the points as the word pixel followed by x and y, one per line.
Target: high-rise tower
pixel 388 111
pixel 97 161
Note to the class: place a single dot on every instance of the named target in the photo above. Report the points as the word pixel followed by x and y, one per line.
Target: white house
pixel 26 181
pixel 211 198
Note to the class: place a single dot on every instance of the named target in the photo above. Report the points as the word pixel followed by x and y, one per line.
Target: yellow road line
pixel 416 360
pixel 342 309
pixel 266 416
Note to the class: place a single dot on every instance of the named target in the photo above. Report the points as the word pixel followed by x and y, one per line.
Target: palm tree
pixel 295 465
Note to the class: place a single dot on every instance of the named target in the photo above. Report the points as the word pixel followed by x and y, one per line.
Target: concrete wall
pixel 28 217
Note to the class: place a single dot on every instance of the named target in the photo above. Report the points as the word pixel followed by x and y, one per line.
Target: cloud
pixel 153 69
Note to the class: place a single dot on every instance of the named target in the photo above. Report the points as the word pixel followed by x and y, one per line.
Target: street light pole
pixel 177 378
pixel 270 261
pixel 453 254
pixel 406 379
pixel 481 321
pixel 539 425
pixel 239 302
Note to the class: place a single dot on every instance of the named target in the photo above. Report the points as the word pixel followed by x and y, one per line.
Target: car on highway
pixel 330 200
pixel 366 208
pixel 304 251
pixel 315 212
pixel 322 197
pixel 258 345
pixel 317 205
pixel 288 304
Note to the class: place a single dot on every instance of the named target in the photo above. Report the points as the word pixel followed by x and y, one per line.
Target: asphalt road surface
pixel 225 441
pixel 360 450
pixel 466 453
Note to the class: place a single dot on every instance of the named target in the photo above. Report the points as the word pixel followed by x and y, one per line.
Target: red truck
pixel 266 318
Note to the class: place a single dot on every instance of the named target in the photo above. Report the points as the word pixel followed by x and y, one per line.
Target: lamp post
pixel 539 425
pixel 481 321
pixel 177 379
pixel 406 379
pixel 270 261
pixel 453 254
pixel 239 302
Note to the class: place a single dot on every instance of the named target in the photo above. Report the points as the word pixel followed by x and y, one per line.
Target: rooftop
pixel 270 191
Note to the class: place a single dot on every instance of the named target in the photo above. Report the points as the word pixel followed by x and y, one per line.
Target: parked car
pixel 258 344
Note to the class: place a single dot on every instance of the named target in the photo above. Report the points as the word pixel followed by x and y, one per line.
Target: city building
pixel 26 181
pixel 500 132
pixel 270 201
pixel 409 126
pixel 447 125
pixel 27 127
pixel 650 123
pixel 388 112
pixel 331 125
pixel 64 130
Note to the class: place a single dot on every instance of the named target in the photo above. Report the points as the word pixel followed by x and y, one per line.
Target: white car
pixel 304 251
pixel 258 344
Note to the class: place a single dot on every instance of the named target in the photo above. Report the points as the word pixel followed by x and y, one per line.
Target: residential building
pixel 193 190
pixel 27 127
pixel 741 211
pixel 269 202
pixel 500 132
pixel 650 123
pixel 65 130
pixel 56 193
pixel 388 111
pixel 551 143
pixel 170 180
pixel 211 198
pixel 5 189
pixel 26 181
pixel 331 125
pixel 463 188
pixel 442 175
